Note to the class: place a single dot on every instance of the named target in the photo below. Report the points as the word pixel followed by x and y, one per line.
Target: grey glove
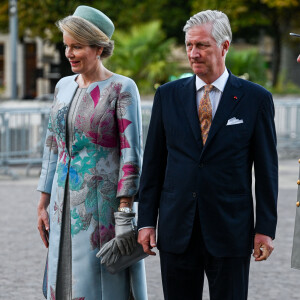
pixel 124 242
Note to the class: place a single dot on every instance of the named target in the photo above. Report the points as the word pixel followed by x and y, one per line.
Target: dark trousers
pixel 183 274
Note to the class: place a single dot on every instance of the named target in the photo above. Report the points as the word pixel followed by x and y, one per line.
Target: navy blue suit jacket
pixel 179 172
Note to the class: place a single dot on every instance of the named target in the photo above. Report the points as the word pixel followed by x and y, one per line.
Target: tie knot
pixel 208 88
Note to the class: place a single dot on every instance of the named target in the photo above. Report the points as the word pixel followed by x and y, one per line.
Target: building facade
pixel 37 68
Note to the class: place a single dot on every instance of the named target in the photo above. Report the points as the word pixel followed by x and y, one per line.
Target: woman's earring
pixel 98 56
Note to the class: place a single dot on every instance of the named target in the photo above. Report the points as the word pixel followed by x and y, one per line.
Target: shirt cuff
pixel 146 227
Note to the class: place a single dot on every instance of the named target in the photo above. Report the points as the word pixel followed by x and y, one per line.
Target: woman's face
pixel 83 59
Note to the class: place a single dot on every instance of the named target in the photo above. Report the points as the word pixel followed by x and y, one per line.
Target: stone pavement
pixel 22 255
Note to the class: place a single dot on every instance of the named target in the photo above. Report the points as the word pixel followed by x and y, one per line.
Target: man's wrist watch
pixel 125 209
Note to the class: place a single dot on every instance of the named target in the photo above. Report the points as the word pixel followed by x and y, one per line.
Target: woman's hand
pixel 43 218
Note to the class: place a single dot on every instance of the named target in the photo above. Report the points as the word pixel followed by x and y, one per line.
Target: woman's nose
pixel 68 52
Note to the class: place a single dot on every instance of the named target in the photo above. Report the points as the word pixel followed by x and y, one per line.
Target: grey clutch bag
pixel 126 261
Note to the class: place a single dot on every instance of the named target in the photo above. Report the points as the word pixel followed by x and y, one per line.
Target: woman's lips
pixel 74 63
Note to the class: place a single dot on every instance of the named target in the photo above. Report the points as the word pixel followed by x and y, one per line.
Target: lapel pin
pixel 235 97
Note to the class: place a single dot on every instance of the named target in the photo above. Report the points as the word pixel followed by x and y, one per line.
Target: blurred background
pixel 149 42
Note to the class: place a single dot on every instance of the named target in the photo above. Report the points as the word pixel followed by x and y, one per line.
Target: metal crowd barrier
pixel 22 133
pixel 287 121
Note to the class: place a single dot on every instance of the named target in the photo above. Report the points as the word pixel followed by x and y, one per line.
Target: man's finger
pixel 147 239
pixel 152 240
pixel 257 251
pixel 265 253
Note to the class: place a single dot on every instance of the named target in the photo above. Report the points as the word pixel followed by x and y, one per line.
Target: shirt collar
pixel 219 83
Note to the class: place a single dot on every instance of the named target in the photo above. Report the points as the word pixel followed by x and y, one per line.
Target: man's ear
pixel 225 47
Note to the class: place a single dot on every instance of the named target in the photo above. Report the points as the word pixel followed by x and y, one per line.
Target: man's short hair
pixel 221 30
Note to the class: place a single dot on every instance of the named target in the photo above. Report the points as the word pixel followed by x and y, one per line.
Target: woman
pixel 91 166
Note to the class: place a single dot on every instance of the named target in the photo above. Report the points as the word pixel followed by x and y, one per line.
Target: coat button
pixel 298 181
pixel 194 195
pixel 299 161
pixel 201 165
pixel 297 203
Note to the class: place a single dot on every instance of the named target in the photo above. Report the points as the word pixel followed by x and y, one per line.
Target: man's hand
pixel 263 247
pixel 147 238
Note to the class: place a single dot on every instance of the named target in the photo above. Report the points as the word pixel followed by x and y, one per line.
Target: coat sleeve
pixel 49 161
pixel 154 166
pixel 128 111
pixel 266 169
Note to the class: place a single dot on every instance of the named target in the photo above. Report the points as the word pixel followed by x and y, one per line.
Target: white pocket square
pixel 234 121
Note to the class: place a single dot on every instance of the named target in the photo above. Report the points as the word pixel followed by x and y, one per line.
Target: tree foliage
pixel 142 54
pixel 248 64
pixel 38 17
pixel 248 18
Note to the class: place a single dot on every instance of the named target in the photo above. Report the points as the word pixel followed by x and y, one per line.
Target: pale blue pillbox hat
pixel 96 17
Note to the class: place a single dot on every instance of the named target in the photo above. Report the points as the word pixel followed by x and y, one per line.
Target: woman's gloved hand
pixel 124 241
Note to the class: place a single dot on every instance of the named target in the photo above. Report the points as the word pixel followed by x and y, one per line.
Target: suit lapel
pixel 232 96
pixel 188 100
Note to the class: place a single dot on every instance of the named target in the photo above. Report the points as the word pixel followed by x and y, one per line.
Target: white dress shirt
pixel 216 92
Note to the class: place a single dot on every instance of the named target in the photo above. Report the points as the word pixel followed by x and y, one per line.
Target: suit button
pixel 299 161
pixel 194 195
pixel 201 165
pixel 298 181
pixel 297 203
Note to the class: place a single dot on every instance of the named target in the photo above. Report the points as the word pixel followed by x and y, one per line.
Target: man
pixel 205 134
pixel 295 263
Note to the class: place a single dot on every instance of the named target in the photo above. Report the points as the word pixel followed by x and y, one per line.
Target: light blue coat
pixel 105 165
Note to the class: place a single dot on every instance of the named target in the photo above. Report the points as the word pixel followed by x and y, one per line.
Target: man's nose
pixel 195 52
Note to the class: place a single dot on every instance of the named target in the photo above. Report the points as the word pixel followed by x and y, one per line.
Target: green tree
pixel 39 16
pixel 276 17
pixel 142 54
pixel 247 63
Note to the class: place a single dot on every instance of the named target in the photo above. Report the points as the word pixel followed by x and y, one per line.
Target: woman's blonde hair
pixel 86 33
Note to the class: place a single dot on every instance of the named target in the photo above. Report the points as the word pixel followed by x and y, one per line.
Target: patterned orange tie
pixel 205 112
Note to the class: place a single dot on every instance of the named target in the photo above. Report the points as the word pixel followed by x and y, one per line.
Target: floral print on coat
pixel 105 164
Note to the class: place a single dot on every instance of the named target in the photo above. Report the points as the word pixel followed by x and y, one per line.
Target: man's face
pixel 207 60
